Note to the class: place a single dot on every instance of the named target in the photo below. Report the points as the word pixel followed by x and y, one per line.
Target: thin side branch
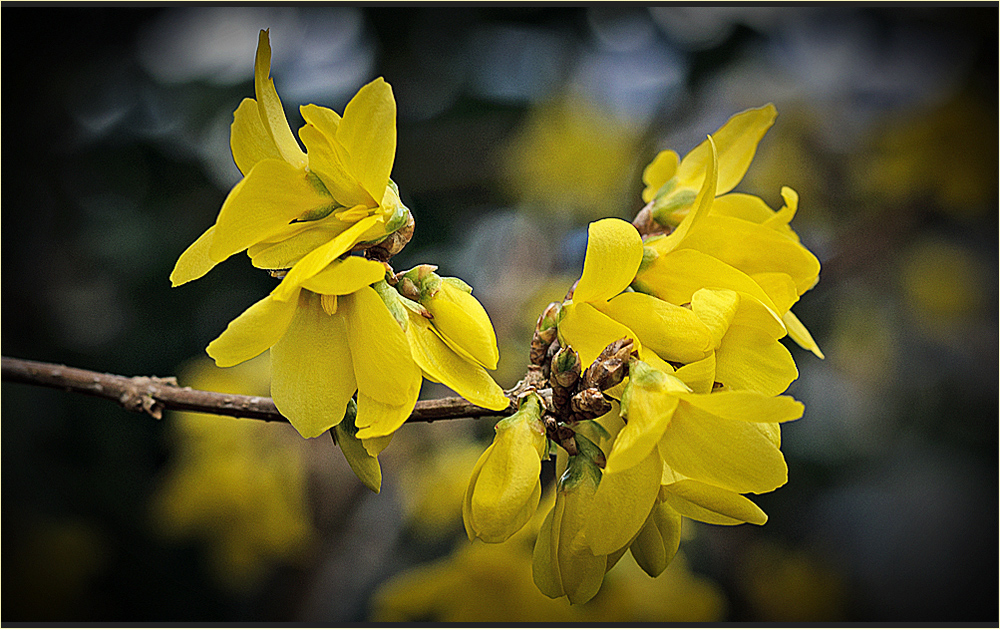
pixel 153 395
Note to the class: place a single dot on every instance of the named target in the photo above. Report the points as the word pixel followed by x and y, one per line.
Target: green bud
pixel 663 210
pixel 667 187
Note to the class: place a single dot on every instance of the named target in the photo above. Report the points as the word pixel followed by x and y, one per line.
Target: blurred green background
pixel 516 127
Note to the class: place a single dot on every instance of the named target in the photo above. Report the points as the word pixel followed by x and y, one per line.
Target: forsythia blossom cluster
pixel 350 341
pixel 666 370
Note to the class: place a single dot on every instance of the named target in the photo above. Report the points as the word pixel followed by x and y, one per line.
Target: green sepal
pixel 394 302
pixel 457 283
pixel 365 466
pixel 583 466
pixel 649 256
pixel 400 216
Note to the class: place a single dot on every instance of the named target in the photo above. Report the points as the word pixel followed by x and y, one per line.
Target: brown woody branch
pixel 153 395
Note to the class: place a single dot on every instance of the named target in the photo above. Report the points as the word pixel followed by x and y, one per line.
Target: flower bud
pixel 546 329
pixel 505 489
pixel 588 404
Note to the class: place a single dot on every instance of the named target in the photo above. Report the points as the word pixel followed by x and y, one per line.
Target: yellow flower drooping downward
pixel 505 489
pixel 331 337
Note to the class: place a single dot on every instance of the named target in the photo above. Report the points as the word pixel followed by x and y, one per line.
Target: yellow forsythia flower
pixel 331 337
pixel 292 205
pixel 332 324
pixel 562 563
pixel 726 250
pixel 505 489
pixel 673 184
pixel 704 305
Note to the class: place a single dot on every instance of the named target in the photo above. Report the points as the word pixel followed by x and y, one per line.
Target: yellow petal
pixel 699 375
pixel 798 332
pixel 324 119
pixel 673 332
pixel 745 206
pixel 249 139
pixel 621 505
pixel 749 358
pixel 728 453
pixel 272 114
pixel 710 504
pixel 716 308
pixel 319 258
pixel 702 204
pixel 383 367
pixel 784 216
pixel 311 374
pixel 368 132
pixel 375 445
pixel 330 161
pixel 736 141
pixel 781 290
pixel 263 203
pixel 658 172
pixel 464 325
pixel 614 252
pixel 250 334
pixel 345 276
pixel 284 249
pixel 443 365
pixel 754 314
pixel 467 500
pixel 676 276
pixel 582 572
pixel 648 405
pixel 589 331
pixel 195 261
pixel 378 419
pixel 749 406
pixel 754 248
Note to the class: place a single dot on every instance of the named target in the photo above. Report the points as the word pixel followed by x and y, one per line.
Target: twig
pixel 153 395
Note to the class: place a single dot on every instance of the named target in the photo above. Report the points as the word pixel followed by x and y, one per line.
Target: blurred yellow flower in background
pixel 906 162
pixel 237 486
pixel 786 584
pixel 570 159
